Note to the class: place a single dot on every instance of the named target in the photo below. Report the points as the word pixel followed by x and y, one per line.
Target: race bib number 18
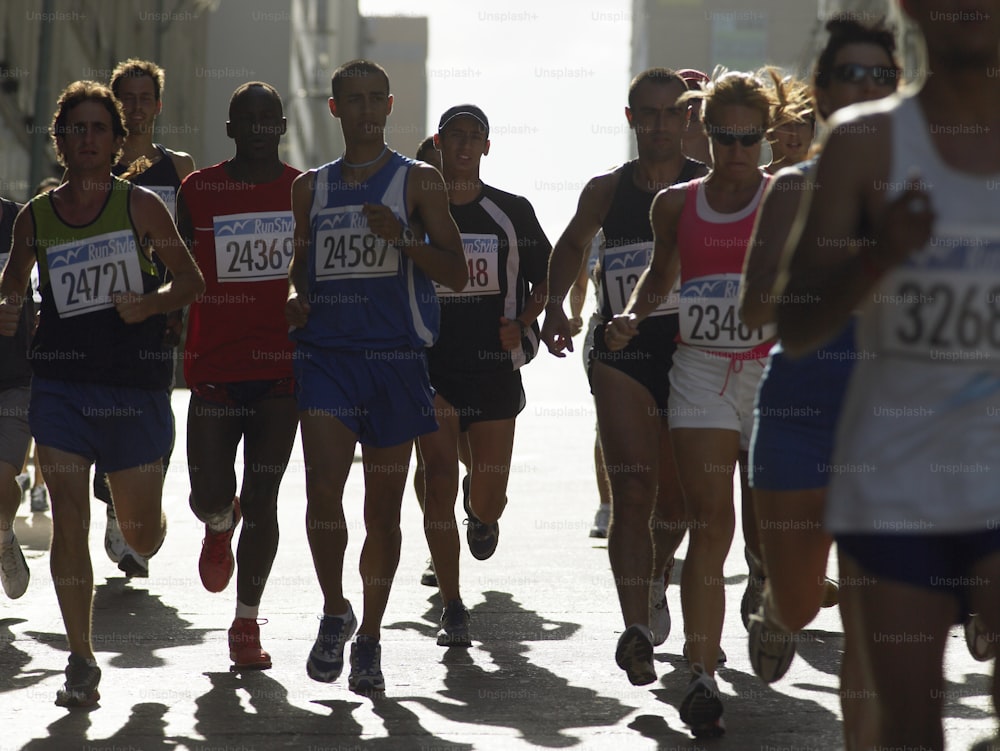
pixel 709 315
pixel 482 257
pixel 347 249
pixel 253 247
pixel 84 274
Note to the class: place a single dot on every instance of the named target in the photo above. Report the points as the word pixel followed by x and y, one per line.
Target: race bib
pixel 482 254
pixel 709 315
pixel 253 247
pixel 347 249
pixel 167 194
pixel 84 274
pixel 622 268
pixel 943 304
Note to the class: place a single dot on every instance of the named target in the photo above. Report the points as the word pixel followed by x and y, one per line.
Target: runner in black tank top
pixel 630 389
pixel 138 85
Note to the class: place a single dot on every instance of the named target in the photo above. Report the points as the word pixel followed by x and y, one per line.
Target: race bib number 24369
pixel 253 247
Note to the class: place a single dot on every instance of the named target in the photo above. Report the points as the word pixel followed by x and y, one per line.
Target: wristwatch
pixel 407 239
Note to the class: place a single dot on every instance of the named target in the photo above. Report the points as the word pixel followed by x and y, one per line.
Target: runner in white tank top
pixel 905 212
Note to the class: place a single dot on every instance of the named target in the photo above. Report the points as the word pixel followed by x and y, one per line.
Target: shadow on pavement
pixel 822 650
pixel 755 714
pixel 532 700
pixel 271 720
pixel 134 623
pixel 72 725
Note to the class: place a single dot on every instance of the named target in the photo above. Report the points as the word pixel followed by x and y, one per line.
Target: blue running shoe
pixel 326 660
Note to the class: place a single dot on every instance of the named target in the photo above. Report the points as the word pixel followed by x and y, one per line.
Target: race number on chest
pixel 347 249
pixel 84 274
pixel 253 247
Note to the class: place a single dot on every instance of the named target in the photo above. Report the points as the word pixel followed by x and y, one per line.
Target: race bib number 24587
pixel 347 249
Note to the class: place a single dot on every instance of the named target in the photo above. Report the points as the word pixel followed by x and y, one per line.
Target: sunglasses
pixel 724 137
pixel 880 75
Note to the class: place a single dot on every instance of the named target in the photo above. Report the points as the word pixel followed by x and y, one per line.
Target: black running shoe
pixel 82 679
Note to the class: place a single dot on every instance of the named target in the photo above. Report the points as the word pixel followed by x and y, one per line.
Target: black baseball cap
pixel 468 110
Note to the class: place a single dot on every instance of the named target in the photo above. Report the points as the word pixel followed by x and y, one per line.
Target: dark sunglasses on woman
pixel 724 137
pixel 881 75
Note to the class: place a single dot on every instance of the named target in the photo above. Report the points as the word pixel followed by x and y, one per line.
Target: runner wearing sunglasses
pixel 799 401
pixel 701 231
pixel 913 505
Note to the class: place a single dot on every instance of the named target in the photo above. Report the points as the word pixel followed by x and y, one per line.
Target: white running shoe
pixel 14 574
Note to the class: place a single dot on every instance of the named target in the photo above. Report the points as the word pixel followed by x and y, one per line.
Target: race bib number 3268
pixel 347 249
pixel 943 304
pixel 85 274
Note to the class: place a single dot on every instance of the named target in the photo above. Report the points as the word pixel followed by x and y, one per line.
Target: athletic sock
pixel 220 522
pixel 246 611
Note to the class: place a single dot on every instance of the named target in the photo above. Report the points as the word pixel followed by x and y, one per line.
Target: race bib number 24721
pixel 85 274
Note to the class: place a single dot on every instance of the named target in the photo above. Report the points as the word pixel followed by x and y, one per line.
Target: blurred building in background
pixel 208 48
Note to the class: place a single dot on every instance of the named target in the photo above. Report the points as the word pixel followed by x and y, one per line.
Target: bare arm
pixel 767 243
pixel 569 254
pixel 443 258
pixel 577 298
pixel 183 163
pixel 297 305
pixel 156 230
pixel 185 227
pixel 16 272
pixel 836 262
pixel 510 330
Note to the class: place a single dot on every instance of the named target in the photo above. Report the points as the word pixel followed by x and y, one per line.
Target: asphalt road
pixel 541 673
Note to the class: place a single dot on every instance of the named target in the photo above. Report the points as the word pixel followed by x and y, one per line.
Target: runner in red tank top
pixel 238 358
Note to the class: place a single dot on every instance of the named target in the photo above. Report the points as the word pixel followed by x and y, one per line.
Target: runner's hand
pixel 10 314
pixel 382 222
pixel 620 330
pixel 556 332
pixel 131 307
pixel 296 311
pixel 510 334
pixel 906 226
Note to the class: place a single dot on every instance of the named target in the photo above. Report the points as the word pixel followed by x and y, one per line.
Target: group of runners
pixel 790 323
